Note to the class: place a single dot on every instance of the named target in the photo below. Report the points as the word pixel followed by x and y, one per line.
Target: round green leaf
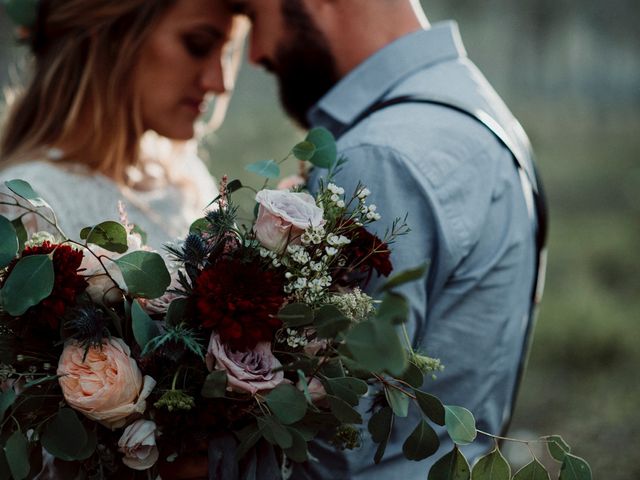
pixel 5 471
pixel 405 276
pixel 330 321
pixel 492 466
pixel 460 424
pixel 412 375
pixel 6 401
pixel 394 309
pixel 17 453
pixel 343 411
pixel 380 424
pixel 110 235
pixel 422 443
pixel 274 432
pixel 431 406
pixel 398 401
pixel 452 466
pixel 65 437
pixel 215 385
pixel 348 389
pixel 532 471
pixel 264 168
pixel 304 150
pixel 30 282
pixel 9 243
pixel 23 236
pixel 326 152
pixel 144 328
pixel 287 403
pixel 558 448
pixel 295 315
pixel 298 452
pixel 25 190
pixel 144 273
pixel 574 468
pixel 376 346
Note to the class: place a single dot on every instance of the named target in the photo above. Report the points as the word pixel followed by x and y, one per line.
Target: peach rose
pixel 283 216
pixel 106 386
pixel 247 372
pixel 138 443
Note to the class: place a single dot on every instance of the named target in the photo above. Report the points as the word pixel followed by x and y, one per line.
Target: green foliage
pixel 22 12
pixel 6 401
pixel 326 151
pixel 144 273
pixel 248 437
pixel 344 412
pixel 412 375
pixel 452 466
pixel 460 424
pixel 144 329
pixel 376 346
pixel 398 401
pixel 25 190
pixel 176 311
pixel 558 448
pixel 264 168
pixel 422 443
pixel 298 452
pixel 532 471
pixel 304 150
pixel 431 406
pixel 21 232
pixel 274 432
pixel 394 308
pixel 287 403
pixel 574 468
pixel 406 276
pixel 65 437
pixel 17 454
pixel 330 321
pixel 9 243
pixel 295 315
pixel 215 385
pixel 492 466
pixel 30 282
pixel 111 236
pixel 347 388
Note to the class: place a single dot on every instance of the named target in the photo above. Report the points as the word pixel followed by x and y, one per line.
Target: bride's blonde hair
pixel 84 58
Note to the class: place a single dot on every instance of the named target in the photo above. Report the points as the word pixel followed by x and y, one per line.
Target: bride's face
pixel 181 63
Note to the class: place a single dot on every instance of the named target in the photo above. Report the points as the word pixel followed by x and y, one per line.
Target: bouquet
pixel 249 340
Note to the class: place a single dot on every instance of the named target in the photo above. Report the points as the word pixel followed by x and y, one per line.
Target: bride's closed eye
pixel 199 45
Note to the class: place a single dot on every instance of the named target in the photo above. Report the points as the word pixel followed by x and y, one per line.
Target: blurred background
pixel 570 71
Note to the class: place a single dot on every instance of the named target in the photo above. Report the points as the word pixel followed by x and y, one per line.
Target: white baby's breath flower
pixel 331 251
pixel 364 193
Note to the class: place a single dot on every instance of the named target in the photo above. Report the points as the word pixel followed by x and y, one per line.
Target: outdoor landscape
pixel 570 70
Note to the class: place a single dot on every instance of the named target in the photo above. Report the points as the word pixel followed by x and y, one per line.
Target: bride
pixel 111 107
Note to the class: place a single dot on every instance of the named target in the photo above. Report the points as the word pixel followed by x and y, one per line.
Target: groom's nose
pixel 213 76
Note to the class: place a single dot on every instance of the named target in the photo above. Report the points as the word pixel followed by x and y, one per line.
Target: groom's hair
pixel 84 62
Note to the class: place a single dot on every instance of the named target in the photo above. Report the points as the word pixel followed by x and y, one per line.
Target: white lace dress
pixel 81 198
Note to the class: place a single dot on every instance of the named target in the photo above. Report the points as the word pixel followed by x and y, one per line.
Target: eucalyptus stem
pixel 510 439
pixel 53 223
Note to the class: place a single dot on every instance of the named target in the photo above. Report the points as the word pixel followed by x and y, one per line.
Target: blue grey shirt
pixel 471 219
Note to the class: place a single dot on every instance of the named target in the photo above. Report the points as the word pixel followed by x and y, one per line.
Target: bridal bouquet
pixel 252 340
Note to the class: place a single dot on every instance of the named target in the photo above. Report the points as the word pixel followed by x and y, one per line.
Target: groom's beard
pixel 304 66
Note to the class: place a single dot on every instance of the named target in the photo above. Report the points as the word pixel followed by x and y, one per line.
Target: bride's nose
pixel 213 76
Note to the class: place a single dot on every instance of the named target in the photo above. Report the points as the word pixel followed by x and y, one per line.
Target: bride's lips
pixel 195 105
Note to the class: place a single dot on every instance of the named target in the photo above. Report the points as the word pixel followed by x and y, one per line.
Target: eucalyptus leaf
pixel 30 282
pixel 144 329
pixel 287 403
pixel 199 226
pixel 9 244
pixel 303 384
pixel 532 471
pixel 558 448
pixel 22 12
pixel 248 437
pixel 5 471
pixel 452 466
pixel 298 452
pixel 376 346
pixel 380 424
pixel 21 232
pixel 574 468
pixel 274 432
pixel 295 315
pixel 431 406
pixel 215 385
pixel 176 311
pixel 492 466
pixel 144 273
pixel 394 308
pixel 139 231
pixel 347 388
pixel 25 190
pixel 343 411
pixel 422 443
pixel 111 236
pixel 89 447
pixel 330 321
pixel 406 276
pixel 412 375
pixel 326 153
pixel 460 424
pixel 6 401
pixel 16 451
pixel 64 436
pixel 398 401
pixel 304 150
pixel 264 168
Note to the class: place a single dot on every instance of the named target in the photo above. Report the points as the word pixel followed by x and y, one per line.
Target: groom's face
pixel 286 41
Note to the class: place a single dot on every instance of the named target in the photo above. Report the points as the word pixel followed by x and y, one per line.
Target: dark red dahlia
pixel 240 301
pixel 365 253
pixel 67 285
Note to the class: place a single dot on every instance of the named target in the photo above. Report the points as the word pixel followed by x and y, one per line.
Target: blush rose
pixel 247 372
pixel 138 443
pixel 106 386
pixel 283 216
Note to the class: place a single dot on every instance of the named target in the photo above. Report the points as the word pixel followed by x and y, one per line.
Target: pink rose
pixel 316 390
pixel 250 371
pixel 107 385
pixel 291 182
pixel 138 443
pixel 283 216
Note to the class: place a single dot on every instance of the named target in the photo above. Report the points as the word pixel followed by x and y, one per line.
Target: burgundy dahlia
pixel 67 285
pixel 240 301
pixel 365 253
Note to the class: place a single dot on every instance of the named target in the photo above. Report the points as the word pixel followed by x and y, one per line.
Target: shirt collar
pixel 374 77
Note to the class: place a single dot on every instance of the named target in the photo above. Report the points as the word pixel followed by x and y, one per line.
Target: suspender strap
pixel 527 166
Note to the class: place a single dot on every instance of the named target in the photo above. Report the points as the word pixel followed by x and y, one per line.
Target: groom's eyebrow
pixel 238 6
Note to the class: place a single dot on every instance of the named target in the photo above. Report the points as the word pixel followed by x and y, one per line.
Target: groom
pixel 424 130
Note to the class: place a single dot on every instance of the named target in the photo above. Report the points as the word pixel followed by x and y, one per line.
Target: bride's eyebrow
pixel 238 6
